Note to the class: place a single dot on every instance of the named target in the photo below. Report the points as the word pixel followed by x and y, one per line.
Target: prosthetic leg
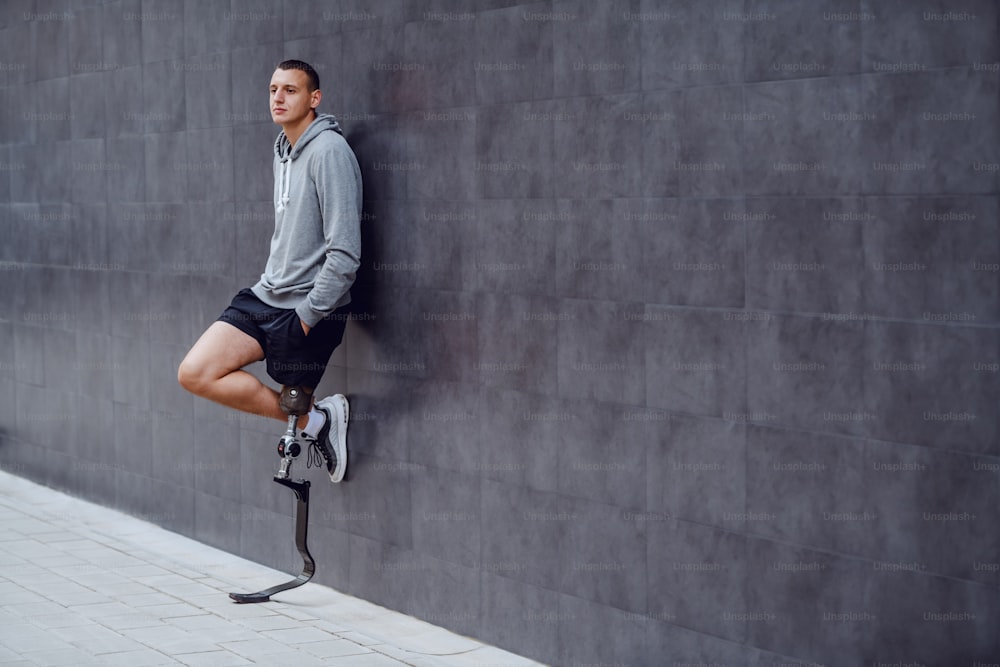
pixel 295 401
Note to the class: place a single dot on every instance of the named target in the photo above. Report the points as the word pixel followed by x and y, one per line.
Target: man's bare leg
pixel 213 367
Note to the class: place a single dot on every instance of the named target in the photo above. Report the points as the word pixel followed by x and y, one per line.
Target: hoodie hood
pixel 285 154
pixel 323 122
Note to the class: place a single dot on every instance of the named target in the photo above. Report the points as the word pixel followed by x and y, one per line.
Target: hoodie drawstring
pixel 284 183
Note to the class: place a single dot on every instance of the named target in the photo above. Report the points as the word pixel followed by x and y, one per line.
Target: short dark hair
pixel 305 67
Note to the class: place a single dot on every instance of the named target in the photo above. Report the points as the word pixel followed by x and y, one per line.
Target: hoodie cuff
pixel 308 316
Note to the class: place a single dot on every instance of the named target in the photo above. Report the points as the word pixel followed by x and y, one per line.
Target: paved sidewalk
pixel 85 585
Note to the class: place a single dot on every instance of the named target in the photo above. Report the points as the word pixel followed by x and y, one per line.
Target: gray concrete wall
pixel 676 339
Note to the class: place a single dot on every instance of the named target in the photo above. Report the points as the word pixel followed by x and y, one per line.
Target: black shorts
pixel 292 357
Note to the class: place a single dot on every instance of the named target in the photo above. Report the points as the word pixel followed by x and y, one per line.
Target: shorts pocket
pixel 295 326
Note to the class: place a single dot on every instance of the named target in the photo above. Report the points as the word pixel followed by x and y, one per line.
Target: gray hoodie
pixel 316 247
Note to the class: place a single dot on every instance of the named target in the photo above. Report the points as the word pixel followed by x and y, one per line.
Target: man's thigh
pixel 222 349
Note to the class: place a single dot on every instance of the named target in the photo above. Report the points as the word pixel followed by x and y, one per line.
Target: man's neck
pixel 293 132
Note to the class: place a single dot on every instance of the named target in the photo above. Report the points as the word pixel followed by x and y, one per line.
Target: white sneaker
pixel 332 439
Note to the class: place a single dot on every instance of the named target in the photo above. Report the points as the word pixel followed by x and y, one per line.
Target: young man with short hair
pixel 295 315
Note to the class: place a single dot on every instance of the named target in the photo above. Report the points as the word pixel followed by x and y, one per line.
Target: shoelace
pixel 314 457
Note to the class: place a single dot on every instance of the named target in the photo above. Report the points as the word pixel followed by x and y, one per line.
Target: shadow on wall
pixel 361 138
pixel 374 320
pixel 368 308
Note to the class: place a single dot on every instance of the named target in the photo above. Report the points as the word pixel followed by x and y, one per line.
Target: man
pixel 294 316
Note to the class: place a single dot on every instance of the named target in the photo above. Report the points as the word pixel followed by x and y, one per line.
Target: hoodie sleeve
pixel 337 178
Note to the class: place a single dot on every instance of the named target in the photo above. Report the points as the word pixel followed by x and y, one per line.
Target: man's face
pixel 291 99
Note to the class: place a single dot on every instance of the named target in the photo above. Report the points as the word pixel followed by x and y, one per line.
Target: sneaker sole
pixel 340 410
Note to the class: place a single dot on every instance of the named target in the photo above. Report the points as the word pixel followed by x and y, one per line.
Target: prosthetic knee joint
pixel 295 402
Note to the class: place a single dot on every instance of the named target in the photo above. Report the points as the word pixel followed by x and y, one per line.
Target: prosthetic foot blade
pixel 301 489
pixel 245 598
pixel 265 595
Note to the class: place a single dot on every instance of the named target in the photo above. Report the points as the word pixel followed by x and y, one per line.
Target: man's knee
pixel 192 376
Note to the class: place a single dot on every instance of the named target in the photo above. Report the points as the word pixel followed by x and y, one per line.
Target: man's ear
pixel 317 97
